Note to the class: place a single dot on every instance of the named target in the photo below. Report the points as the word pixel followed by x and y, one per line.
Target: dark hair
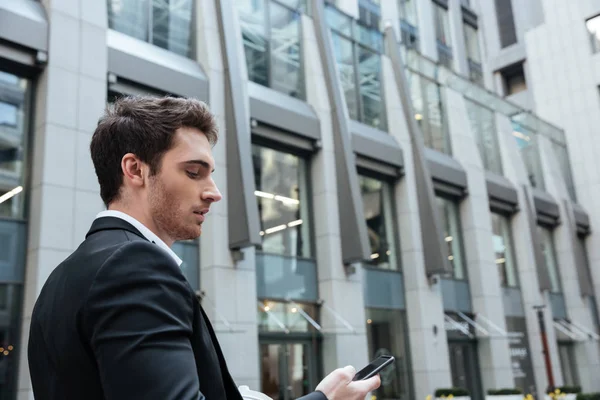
pixel 144 126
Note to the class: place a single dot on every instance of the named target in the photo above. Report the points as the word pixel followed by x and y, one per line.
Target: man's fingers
pixel 367 385
pixel 348 371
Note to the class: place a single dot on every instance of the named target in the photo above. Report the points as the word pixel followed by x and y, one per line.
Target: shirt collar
pixel 148 234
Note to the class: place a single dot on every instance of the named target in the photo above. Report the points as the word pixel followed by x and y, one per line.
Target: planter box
pixel 505 397
pixel 455 398
pixel 567 396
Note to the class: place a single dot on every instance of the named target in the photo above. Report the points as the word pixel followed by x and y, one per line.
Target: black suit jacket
pixel 118 320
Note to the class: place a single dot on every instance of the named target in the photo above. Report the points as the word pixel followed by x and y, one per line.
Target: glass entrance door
pixel 464 365
pixel 287 369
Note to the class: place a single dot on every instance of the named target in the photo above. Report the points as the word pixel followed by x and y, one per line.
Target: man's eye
pixel 192 174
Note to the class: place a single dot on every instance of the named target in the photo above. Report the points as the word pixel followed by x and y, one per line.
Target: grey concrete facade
pixel 70 93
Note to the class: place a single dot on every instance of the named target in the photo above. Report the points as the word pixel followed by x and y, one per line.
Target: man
pixel 117 319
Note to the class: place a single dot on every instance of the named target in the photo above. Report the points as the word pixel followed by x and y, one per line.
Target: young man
pixel 117 319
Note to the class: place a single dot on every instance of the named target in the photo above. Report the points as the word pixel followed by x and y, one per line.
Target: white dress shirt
pixel 148 234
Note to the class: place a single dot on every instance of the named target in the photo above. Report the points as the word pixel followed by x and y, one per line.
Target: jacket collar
pixel 112 223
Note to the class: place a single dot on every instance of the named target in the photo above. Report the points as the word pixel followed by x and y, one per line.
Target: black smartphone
pixel 373 368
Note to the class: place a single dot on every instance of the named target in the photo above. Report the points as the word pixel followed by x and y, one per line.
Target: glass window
pixel 14 98
pixel 281 193
pixel 189 253
pixel 369 78
pixel 472 43
pixel 10 340
pixel 527 144
pixel 408 11
pixel 386 335
pixel 550 263
pixel 378 198
pixel 427 102
pixel 276 316
pixel 442 25
pixel 450 215
pixel 271 34
pixel 568 364
pixel 562 156
pixel 506 23
pixel 164 23
pixel 503 250
pixel 593 27
pixel 483 125
pixel 358 51
pixel 344 55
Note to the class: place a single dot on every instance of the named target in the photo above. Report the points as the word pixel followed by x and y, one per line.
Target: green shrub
pixel 588 396
pixel 504 392
pixel 456 392
pixel 566 389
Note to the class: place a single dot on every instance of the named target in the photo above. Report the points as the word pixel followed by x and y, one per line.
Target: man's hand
pixel 338 385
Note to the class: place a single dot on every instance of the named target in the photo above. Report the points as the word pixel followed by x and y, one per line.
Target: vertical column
pixel 484 282
pixel 391 15
pixel 419 227
pixel 587 352
pixel 426 18
pixel 339 291
pixel 527 260
pixel 459 51
pixel 229 283
pixel 424 305
pixel 70 96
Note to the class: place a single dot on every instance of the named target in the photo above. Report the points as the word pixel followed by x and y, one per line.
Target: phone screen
pixel 373 368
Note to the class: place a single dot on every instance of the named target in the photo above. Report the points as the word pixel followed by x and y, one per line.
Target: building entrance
pixel 464 365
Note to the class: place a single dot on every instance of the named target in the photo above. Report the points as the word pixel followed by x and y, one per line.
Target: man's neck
pixel 143 218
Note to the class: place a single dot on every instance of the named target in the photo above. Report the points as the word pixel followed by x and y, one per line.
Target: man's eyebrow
pixel 202 163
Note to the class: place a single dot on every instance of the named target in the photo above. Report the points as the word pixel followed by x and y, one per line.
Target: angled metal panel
pixel 376 144
pixel 582 219
pixel 546 207
pixel 155 67
pixel 353 230
pixel 243 218
pixel 436 254
pixel 282 111
pixel 447 173
pixel 540 261
pixel 583 272
pixel 501 193
pixel 24 22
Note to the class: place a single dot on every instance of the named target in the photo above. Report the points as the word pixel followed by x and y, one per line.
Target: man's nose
pixel 212 193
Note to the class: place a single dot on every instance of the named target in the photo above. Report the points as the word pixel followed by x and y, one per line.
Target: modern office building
pixel 406 177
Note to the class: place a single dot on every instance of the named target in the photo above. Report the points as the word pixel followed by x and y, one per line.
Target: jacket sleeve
pixel 138 321
pixel 314 396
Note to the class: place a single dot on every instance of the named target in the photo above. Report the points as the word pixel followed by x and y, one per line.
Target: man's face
pixel 180 195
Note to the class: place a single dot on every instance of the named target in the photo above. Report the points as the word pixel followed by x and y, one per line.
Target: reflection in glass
pixel 483 126
pixel 369 78
pixel 547 240
pixel 276 316
pixel 528 145
pixel 386 335
pixel 285 370
pixel 408 11
pixel 472 43
pixel 281 193
pixel 188 252
pixel 9 339
pixel 429 112
pixel 164 23
pixel 13 142
pixel 450 215
pixel 344 55
pixel 503 250
pixel 272 37
pixel 377 200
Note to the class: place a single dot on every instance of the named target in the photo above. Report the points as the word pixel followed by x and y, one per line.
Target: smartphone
pixel 373 368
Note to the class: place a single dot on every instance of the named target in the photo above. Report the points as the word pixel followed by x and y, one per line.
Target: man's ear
pixel 133 170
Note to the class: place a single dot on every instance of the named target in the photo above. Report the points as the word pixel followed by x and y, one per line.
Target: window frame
pixel 550 234
pixel 306 157
pixel 455 202
pixel 395 231
pixel 480 142
pixel 268 46
pixel 357 44
pixel 510 250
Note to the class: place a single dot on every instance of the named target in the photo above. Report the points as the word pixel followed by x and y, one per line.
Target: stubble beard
pixel 167 215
